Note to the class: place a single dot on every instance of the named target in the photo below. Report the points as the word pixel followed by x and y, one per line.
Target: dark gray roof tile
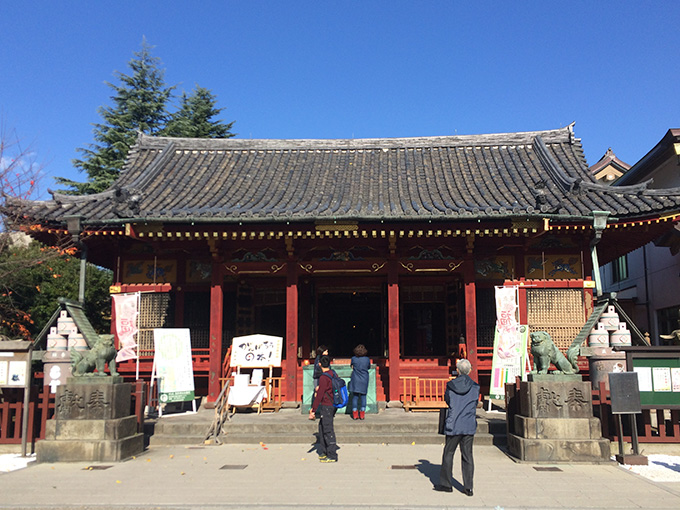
pixel 532 173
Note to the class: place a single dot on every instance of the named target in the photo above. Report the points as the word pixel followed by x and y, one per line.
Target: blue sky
pixel 352 69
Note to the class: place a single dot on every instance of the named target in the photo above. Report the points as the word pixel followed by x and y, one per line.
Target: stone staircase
pixel 394 426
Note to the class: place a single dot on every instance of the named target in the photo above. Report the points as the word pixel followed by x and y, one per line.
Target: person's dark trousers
pixel 327 443
pixel 468 463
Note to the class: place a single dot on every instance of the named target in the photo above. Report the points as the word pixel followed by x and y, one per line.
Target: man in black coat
pixel 462 394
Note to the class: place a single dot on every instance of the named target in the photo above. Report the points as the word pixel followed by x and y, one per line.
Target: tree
pixel 139 105
pixel 19 177
pixel 37 290
pixel 194 117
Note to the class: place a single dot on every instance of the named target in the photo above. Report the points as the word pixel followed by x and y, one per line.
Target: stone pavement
pixel 287 476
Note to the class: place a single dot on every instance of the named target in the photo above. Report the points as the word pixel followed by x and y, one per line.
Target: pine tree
pixel 139 104
pixel 194 117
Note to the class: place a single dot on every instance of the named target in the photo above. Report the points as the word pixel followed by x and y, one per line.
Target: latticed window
pixel 560 312
pixel 156 310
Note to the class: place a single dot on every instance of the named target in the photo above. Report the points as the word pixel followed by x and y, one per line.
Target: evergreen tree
pixel 194 117
pixel 139 104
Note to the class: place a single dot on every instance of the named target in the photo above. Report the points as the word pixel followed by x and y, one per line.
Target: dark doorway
pixel 424 329
pixel 346 319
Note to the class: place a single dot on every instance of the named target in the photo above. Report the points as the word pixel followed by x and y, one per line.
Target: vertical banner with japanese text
pixel 125 307
pixel 510 343
pixel 174 369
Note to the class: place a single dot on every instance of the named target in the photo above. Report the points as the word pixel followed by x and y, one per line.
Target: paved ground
pixel 289 476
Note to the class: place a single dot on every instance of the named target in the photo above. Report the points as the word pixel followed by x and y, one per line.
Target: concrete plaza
pixel 368 476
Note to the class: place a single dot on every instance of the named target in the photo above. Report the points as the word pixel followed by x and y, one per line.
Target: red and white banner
pixel 125 307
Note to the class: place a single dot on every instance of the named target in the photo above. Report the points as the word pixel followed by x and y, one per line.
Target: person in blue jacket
pixel 358 382
pixel 462 394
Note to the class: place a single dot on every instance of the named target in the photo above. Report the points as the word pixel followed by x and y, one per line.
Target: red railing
pixel 652 425
pixel 41 409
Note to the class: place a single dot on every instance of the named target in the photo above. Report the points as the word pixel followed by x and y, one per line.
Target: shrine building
pixel 393 243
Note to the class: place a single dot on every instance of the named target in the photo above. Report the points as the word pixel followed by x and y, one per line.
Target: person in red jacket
pixel 323 407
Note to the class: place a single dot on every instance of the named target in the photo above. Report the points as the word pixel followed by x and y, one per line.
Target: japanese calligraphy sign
pixel 510 343
pixel 125 306
pixel 174 369
pixel 556 399
pixel 256 351
pixel 92 401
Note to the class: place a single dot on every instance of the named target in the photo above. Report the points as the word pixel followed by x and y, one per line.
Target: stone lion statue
pixel 102 354
pixel 545 352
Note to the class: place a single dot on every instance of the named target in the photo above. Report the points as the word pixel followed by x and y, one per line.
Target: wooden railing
pixel 423 394
pixel 274 399
pixel 652 425
pixel 41 409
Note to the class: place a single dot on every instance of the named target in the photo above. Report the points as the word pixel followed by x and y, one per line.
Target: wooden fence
pixel 653 425
pixel 41 409
pixel 423 393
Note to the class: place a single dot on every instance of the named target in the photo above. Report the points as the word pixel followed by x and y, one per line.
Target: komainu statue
pixel 545 352
pixel 102 354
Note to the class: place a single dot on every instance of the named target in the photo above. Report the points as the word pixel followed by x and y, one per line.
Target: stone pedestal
pixel 555 423
pixel 92 423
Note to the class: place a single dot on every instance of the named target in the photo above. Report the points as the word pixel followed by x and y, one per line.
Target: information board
pixel 13 369
pixel 625 393
pixel 173 366
pixel 658 379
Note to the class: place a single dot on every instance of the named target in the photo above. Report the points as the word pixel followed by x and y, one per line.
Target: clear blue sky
pixel 353 69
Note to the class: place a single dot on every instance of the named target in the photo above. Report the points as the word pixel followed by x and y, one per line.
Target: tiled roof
pixel 540 173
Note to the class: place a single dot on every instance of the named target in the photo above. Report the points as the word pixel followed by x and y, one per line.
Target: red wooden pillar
pixel 522 302
pixel 393 330
pixel 291 333
pixel 471 315
pixel 216 314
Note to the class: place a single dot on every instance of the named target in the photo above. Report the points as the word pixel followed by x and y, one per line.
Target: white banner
pixel 256 351
pixel 125 307
pixel 510 343
pixel 174 369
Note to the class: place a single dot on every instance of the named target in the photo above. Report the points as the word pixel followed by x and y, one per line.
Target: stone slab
pixel 95 378
pixel 94 400
pixel 555 399
pixel 557 428
pixel 49 450
pixel 559 450
pixel 554 377
pixel 118 428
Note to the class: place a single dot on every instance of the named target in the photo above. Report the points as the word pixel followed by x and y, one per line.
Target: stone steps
pixel 290 426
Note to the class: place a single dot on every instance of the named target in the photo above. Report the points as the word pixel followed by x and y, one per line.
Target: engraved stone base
pixel 555 423
pixel 91 423
pixel 59 450
pixel 559 450
pixel 557 428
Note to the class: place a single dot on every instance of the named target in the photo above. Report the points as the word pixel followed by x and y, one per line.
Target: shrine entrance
pixel 346 318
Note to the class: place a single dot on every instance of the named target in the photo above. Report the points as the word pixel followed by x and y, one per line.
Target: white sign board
pixel 256 351
pixel 172 359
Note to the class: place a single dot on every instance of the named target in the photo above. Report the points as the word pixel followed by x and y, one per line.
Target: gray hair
pixel 463 366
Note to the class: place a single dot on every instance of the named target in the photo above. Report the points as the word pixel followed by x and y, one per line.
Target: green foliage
pixel 193 119
pixel 30 292
pixel 140 105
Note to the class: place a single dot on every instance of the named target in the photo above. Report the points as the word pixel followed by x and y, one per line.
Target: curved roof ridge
pixel 490 139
